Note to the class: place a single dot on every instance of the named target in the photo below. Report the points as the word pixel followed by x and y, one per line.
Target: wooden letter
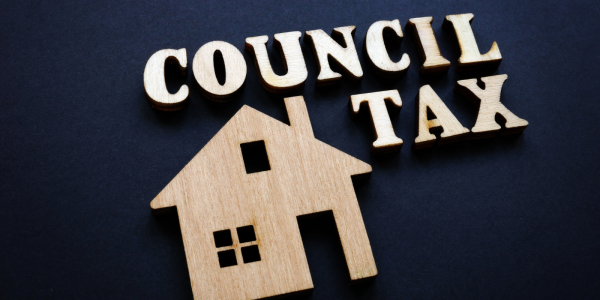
pixel 240 228
pixel 386 140
pixel 289 47
pixel 470 58
pixel 377 52
pixel 453 130
pixel 324 47
pixel 433 61
pixel 490 106
pixel 204 70
pixel 154 80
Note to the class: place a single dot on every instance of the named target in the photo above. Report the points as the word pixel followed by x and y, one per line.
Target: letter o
pixel 204 70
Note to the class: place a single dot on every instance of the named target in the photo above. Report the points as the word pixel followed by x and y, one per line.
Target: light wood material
pixel 490 106
pixel 378 54
pixel 386 140
pixel 433 61
pixel 154 80
pixel 204 70
pixel 453 130
pixel 324 46
pixel 471 59
pixel 289 47
pixel 213 192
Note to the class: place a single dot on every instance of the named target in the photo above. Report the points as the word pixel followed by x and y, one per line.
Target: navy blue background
pixel 82 153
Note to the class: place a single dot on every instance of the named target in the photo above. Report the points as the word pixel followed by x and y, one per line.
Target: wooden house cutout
pixel 240 229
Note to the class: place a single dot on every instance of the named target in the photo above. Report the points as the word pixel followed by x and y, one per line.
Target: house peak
pixel 297 114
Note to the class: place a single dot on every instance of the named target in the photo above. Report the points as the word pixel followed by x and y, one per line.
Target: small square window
pixel 223 238
pixel 250 254
pixel 227 258
pixel 246 234
pixel 255 157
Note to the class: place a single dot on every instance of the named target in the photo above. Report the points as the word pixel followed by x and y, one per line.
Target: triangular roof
pixel 300 127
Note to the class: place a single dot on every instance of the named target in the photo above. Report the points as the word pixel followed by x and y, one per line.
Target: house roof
pixel 249 125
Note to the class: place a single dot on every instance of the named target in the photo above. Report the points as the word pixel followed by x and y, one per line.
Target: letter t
pixel 386 140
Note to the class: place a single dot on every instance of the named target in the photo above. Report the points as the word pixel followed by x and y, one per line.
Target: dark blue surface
pixel 82 153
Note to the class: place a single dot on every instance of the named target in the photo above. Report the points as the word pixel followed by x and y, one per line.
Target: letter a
pixel 453 130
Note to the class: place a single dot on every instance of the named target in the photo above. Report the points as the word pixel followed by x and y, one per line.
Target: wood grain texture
pixel 154 80
pixel 288 44
pixel 378 54
pixel 213 192
pixel 324 46
pixel 385 138
pixel 490 107
pixel 471 59
pixel 444 119
pixel 429 51
pixel 204 70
